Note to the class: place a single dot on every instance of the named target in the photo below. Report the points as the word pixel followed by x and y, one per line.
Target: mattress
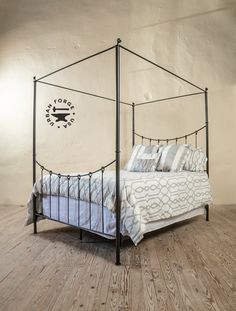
pixel 145 197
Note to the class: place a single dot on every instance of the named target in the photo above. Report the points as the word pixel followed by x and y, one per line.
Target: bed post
pixel 207 128
pixel 207 144
pixel 117 56
pixel 34 154
pixel 133 124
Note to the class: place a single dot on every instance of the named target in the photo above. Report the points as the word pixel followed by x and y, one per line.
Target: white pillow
pixel 143 159
pixel 173 157
pixel 196 160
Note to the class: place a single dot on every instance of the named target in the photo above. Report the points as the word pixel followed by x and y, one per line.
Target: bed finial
pixel 34 78
pixel 206 89
pixel 118 41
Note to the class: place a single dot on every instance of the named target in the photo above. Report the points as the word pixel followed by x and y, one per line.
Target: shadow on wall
pixel 230 6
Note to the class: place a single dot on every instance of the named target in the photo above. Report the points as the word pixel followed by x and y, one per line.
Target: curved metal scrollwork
pixel 175 139
pixel 71 176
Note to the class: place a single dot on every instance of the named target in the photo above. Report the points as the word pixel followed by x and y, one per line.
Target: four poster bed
pixel 130 201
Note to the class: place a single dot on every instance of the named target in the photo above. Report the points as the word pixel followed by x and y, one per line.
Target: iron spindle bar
pixel 166 70
pixel 82 175
pixel 50 194
pixel 68 202
pixel 207 129
pixel 150 141
pixel 82 92
pixel 58 196
pixel 142 140
pixel 42 187
pixel 176 141
pixel 118 203
pixel 168 98
pixel 133 124
pixel 171 139
pixel 90 214
pixel 81 233
pixel 78 179
pixel 34 152
pixel 42 184
pixel 34 130
pixel 196 139
pixel 102 203
pixel 185 139
pixel 207 212
pixel 77 62
pixel 167 141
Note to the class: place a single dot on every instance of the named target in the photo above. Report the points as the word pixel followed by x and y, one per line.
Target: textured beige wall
pixel 193 38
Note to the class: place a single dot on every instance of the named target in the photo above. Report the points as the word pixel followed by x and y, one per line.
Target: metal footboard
pixel 68 181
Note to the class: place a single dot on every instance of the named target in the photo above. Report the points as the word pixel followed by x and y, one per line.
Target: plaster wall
pixel 195 39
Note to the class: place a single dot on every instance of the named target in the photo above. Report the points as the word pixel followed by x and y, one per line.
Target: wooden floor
pixel 188 266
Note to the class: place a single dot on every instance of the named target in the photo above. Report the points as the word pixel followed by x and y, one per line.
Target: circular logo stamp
pixel 61 113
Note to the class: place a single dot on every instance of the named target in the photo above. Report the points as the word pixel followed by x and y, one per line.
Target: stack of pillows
pixel 168 158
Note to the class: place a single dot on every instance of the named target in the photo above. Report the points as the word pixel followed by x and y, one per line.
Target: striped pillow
pixel 143 159
pixel 173 158
pixel 196 160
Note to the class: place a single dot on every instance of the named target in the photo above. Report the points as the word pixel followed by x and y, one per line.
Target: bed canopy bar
pixel 118 47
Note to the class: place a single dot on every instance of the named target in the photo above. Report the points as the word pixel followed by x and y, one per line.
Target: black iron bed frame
pixel 89 175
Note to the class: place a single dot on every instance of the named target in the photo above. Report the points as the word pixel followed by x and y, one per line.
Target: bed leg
pixel 34 215
pixel 118 245
pixel 35 225
pixel 118 257
pixel 121 240
pixel 207 212
pixel 80 234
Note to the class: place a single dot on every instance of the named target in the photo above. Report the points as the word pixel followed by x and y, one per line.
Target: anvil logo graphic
pixel 61 111
pixel 60 116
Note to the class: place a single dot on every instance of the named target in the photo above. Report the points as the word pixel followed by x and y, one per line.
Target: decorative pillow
pixel 173 158
pixel 143 159
pixel 196 160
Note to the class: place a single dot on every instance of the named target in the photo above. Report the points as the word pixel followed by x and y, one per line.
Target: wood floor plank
pixel 215 290
pixel 191 285
pixel 102 290
pixel 219 267
pixel 150 294
pixel 87 294
pixel 162 294
pixel 187 266
pixel 174 291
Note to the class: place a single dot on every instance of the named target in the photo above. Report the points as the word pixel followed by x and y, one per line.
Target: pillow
pixel 143 159
pixel 173 158
pixel 196 160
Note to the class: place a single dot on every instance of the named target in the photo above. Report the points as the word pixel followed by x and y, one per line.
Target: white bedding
pixel 109 218
pixel 145 197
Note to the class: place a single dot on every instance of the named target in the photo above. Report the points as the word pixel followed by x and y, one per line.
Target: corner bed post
pixel 117 56
pixel 34 154
pixel 133 124
pixel 207 144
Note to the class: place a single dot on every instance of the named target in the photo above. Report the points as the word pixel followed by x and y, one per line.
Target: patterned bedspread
pixel 145 197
